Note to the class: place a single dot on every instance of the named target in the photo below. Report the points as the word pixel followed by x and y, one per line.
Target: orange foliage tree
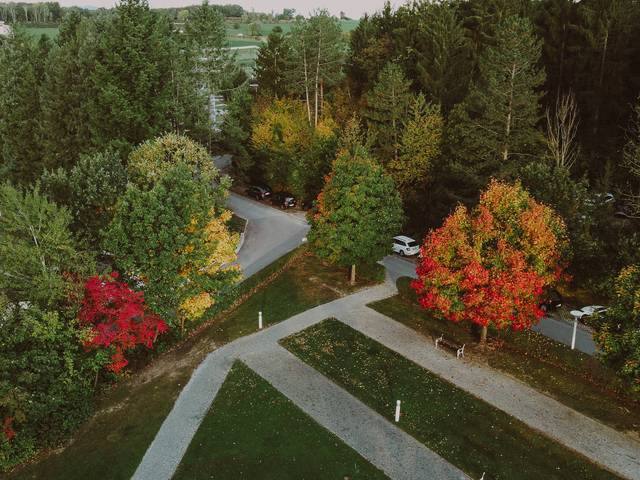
pixel 490 265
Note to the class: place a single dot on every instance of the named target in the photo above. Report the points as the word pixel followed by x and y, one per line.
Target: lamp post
pixel 575 314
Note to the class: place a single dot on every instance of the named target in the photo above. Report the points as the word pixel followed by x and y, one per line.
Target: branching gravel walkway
pixel 604 445
pixel 393 451
pixel 377 440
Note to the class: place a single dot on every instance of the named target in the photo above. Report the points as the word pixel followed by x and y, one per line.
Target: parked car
pixel 551 300
pixel 283 200
pixel 588 311
pixel 601 199
pixel 623 210
pixel 405 246
pixel 259 192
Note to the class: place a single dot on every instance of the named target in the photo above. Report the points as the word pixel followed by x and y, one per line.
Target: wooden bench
pixel 459 349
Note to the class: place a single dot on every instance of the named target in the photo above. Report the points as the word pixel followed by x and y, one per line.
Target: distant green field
pixel 51 32
pixel 233 29
pixel 243 42
pixel 245 57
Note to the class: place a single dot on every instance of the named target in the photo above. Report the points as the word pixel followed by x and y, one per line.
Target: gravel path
pixel 364 430
pixel 393 451
pixel 609 448
pixel 172 440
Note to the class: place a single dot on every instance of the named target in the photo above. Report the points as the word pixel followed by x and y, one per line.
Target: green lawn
pixel 112 443
pixel 573 378
pixel 463 429
pixel 253 431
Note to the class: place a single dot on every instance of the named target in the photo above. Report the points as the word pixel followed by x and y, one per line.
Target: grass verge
pixel 464 430
pixel 253 431
pixel 571 377
pixel 237 224
pixel 111 444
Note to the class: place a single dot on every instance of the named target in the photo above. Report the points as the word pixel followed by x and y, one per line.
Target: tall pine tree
pixel 493 132
pixel 386 110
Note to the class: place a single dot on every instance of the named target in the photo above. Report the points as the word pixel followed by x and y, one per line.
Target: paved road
pixel 270 232
pixel 557 329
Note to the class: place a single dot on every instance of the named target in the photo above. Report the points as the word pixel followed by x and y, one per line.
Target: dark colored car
pixel 259 192
pixel 283 200
pixel 551 300
pixel 623 210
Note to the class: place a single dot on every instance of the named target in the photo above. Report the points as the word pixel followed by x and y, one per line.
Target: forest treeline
pixel 454 93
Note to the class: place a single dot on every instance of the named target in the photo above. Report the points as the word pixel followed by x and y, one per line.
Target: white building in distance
pixel 5 30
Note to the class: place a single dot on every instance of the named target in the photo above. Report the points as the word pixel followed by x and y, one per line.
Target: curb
pixel 241 242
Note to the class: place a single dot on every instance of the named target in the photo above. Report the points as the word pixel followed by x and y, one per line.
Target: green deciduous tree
pixel 236 130
pixel 90 191
pixel 205 37
pixel 150 160
pixel 420 145
pixel 45 386
pixel 159 236
pixel 357 212
pixel 39 257
pixel 617 332
pixel 45 380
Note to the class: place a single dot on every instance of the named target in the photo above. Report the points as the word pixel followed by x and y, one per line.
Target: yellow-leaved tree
pixel 170 229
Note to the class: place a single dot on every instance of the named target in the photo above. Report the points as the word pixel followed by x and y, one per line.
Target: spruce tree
pixel 387 106
pixel 131 79
pixel 493 133
pixel 20 148
pixel 271 64
pixel 65 121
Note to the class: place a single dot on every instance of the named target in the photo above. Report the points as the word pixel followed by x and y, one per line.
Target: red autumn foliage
pixel 490 266
pixel 7 428
pixel 118 317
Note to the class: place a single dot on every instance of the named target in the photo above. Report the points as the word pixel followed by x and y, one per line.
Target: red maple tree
pixel 489 266
pixel 118 317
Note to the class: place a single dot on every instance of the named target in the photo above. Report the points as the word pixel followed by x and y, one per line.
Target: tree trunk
pixel 306 86
pixel 317 80
pixel 483 335
pixel 505 150
pixel 321 97
pixel 353 274
pixel 596 115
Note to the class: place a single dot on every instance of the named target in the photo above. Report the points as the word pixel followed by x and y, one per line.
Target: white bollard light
pixel 260 320
pixel 573 337
pixel 398 411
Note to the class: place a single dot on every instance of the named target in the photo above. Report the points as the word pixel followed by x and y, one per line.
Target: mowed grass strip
pixel 254 432
pixel 464 430
pixel 112 443
pixel 571 377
